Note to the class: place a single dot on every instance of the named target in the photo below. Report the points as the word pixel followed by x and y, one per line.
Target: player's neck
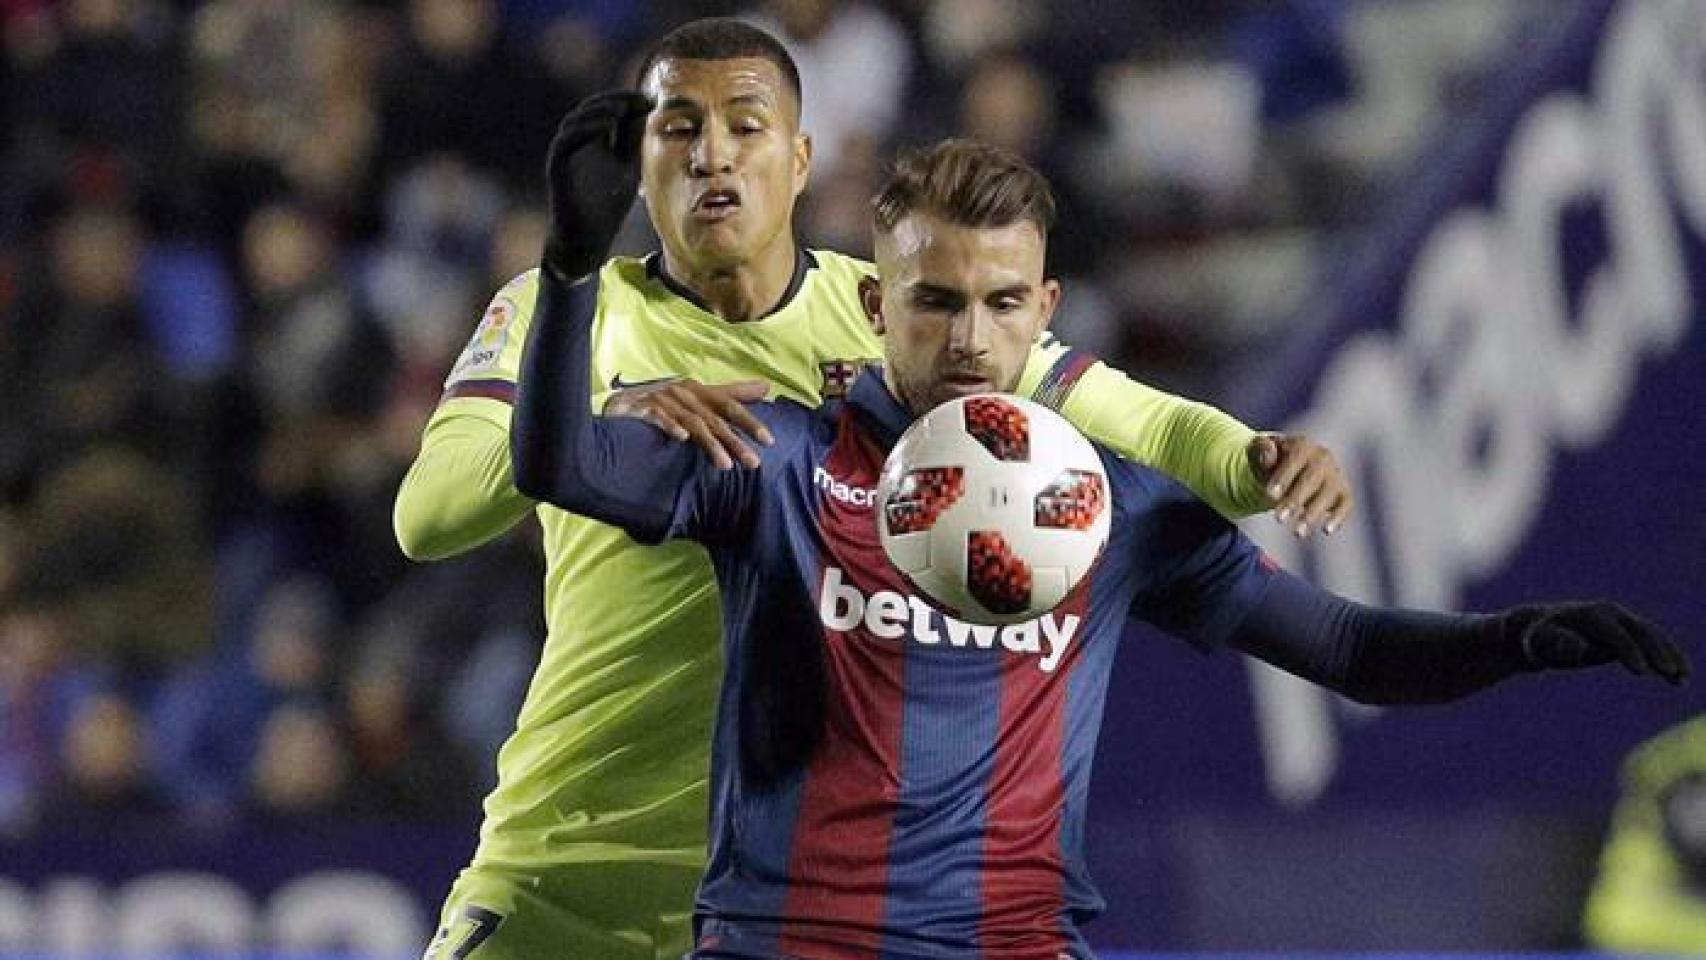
pixel 744 291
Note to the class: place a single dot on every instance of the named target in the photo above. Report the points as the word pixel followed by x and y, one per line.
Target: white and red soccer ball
pixel 993 507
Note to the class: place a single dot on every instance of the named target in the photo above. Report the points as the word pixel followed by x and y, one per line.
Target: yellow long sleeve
pixel 460 491
pixel 1643 900
pixel 1199 445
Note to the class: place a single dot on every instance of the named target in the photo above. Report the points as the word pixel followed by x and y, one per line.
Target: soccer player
pixel 594 838
pixel 1650 896
pixel 889 781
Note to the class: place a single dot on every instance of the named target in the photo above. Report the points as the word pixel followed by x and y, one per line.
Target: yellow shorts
pixel 604 911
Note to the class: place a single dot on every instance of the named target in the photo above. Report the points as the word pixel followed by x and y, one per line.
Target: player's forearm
pixel 1196 444
pixel 1377 655
pixel 1205 448
pixel 460 492
pixel 619 470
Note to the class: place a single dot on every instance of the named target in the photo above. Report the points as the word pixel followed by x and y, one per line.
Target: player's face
pixel 958 307
pixel 723 159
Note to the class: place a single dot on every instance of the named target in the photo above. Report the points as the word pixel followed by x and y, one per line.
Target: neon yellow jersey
pixel 1646 899
pixel 611 752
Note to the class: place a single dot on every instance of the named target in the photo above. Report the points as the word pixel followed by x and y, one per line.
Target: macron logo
pixel 891 616
pixel 857 496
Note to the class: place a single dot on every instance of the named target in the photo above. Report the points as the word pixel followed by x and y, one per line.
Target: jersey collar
pixel 878 408
pixel 804 260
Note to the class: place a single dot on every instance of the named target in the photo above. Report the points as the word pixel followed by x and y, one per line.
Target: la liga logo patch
pixel 486 347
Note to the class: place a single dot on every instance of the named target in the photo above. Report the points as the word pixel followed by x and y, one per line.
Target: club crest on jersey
pixel 838 376
pixel 889 615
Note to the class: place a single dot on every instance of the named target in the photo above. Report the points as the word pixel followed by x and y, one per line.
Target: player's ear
pixel 1050 299
pixel 802 161
pixel 871 298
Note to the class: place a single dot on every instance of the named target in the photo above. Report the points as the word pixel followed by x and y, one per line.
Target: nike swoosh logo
pixel 617 383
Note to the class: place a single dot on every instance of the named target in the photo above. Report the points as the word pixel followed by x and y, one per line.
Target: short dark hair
pixel 721 38
pixel 965 182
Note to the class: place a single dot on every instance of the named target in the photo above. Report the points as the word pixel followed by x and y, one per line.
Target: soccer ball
pixel 993 507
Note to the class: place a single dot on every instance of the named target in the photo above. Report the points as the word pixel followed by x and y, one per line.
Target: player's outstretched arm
pixel 1390 656
pixel 1236 470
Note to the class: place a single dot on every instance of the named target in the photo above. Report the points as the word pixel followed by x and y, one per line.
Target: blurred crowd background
pixel 241 242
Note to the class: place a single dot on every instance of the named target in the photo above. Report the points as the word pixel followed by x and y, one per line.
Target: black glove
pixel 592 172
pixel 1566 636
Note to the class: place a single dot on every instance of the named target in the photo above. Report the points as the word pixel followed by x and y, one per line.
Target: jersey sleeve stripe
pixel 503 390
pixel 1057 384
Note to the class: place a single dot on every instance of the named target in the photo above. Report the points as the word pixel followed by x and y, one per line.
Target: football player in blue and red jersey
pixel 889 781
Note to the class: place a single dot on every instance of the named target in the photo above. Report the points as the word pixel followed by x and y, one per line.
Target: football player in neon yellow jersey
pixel 594 838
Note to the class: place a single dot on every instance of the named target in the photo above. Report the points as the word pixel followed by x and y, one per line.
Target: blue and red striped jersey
pixel 889 781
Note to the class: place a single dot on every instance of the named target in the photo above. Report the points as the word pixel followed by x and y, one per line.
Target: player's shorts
pixel 603 911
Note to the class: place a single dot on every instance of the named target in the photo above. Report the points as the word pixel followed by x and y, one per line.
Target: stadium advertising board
pixel 158 888
pixel 1508 363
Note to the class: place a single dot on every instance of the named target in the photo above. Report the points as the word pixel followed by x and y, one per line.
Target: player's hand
pixel 1303 482
pixel 713 416
pixel 592 172
pixel 1567 636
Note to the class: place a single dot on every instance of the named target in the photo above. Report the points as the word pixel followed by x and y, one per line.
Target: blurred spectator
pixel 77 366
pixel 301 769
pixel 209 717
pixel 1196 126
pixel 116 547
pixel 313 349
pixel 282 98
pixel 516 243
pixel 99 88
pixel 455 87
pixel 429 277
pixel 836 213
pixel 1010 99
pixel 854 64
pixel 471 626
pixel 404 765
pixel 958 35
pixel 104 773
pixel 318 373
pixel 580 42
pixel 1651 893
pixel 189 302
pixel 484 695
pixel 41 685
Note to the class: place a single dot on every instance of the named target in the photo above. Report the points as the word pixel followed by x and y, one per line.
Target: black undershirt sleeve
pixel 1376 654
